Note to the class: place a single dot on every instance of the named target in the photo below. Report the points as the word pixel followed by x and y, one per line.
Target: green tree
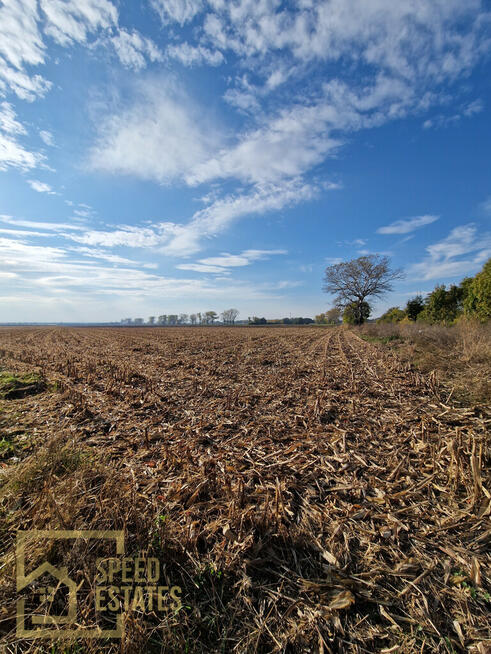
pixel 355 313
pixel 414 307
pixel 477 301
pixel 443 305
pixel 333 316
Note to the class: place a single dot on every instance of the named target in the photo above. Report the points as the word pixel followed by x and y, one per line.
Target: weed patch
pixel 13 387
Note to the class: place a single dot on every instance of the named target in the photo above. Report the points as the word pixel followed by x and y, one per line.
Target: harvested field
pixel 308 491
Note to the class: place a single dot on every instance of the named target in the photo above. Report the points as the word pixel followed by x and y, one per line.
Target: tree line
pixel 471 299
pixel 280 321
pixel 354 282
pixel 227 317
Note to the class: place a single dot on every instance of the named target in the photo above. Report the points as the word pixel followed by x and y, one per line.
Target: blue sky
pixel 171 156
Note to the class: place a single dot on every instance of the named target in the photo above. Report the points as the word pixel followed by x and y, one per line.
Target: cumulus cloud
pixel 407 225
pixel 300 136
pixel 406 51
pixel 160 137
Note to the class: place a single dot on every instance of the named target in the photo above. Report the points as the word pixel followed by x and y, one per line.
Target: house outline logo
pixel 61 575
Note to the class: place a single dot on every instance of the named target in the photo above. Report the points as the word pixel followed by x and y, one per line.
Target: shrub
pixel 394 314
pixel 414 307
pixel 477 301
pixel 356 313
pixel 442 305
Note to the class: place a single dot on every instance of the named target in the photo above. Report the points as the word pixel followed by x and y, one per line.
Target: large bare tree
pixel 352 282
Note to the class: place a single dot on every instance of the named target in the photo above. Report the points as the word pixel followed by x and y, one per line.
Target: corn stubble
pixel 308 491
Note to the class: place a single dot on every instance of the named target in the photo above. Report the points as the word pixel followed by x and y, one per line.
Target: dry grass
pixel 307 490
pixel 460 356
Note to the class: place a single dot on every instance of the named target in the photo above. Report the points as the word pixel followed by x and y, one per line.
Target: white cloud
pixel 8 122
pixel 21 45
pixel 179 11
pixel 160 137
pixel 186 239
pixel 450 256
pixel 133 49
pixel 408 50
pixel 465 111
pixel 359 242
pixel 12 153
pixel 20 40
pixel 301 136
pixel 26 87
pixel 124 236
pixel 473 108
pixel 407 225
pixel 201 268
pixel 220 264
pixel 486 205
pixel 244 259
pixel 190 55
pixel 38 224
pixel 222 212
pixel 461 240
pixel 244 100
pixel 24 24
pixel 286 147
pixel 54 284
pixel 110 258
pixel 41 187
pixel 47 137
pixel 408 39
pixel 70 21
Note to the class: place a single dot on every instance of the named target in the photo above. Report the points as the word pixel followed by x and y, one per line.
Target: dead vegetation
pixel 307 490
pixel 460 355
